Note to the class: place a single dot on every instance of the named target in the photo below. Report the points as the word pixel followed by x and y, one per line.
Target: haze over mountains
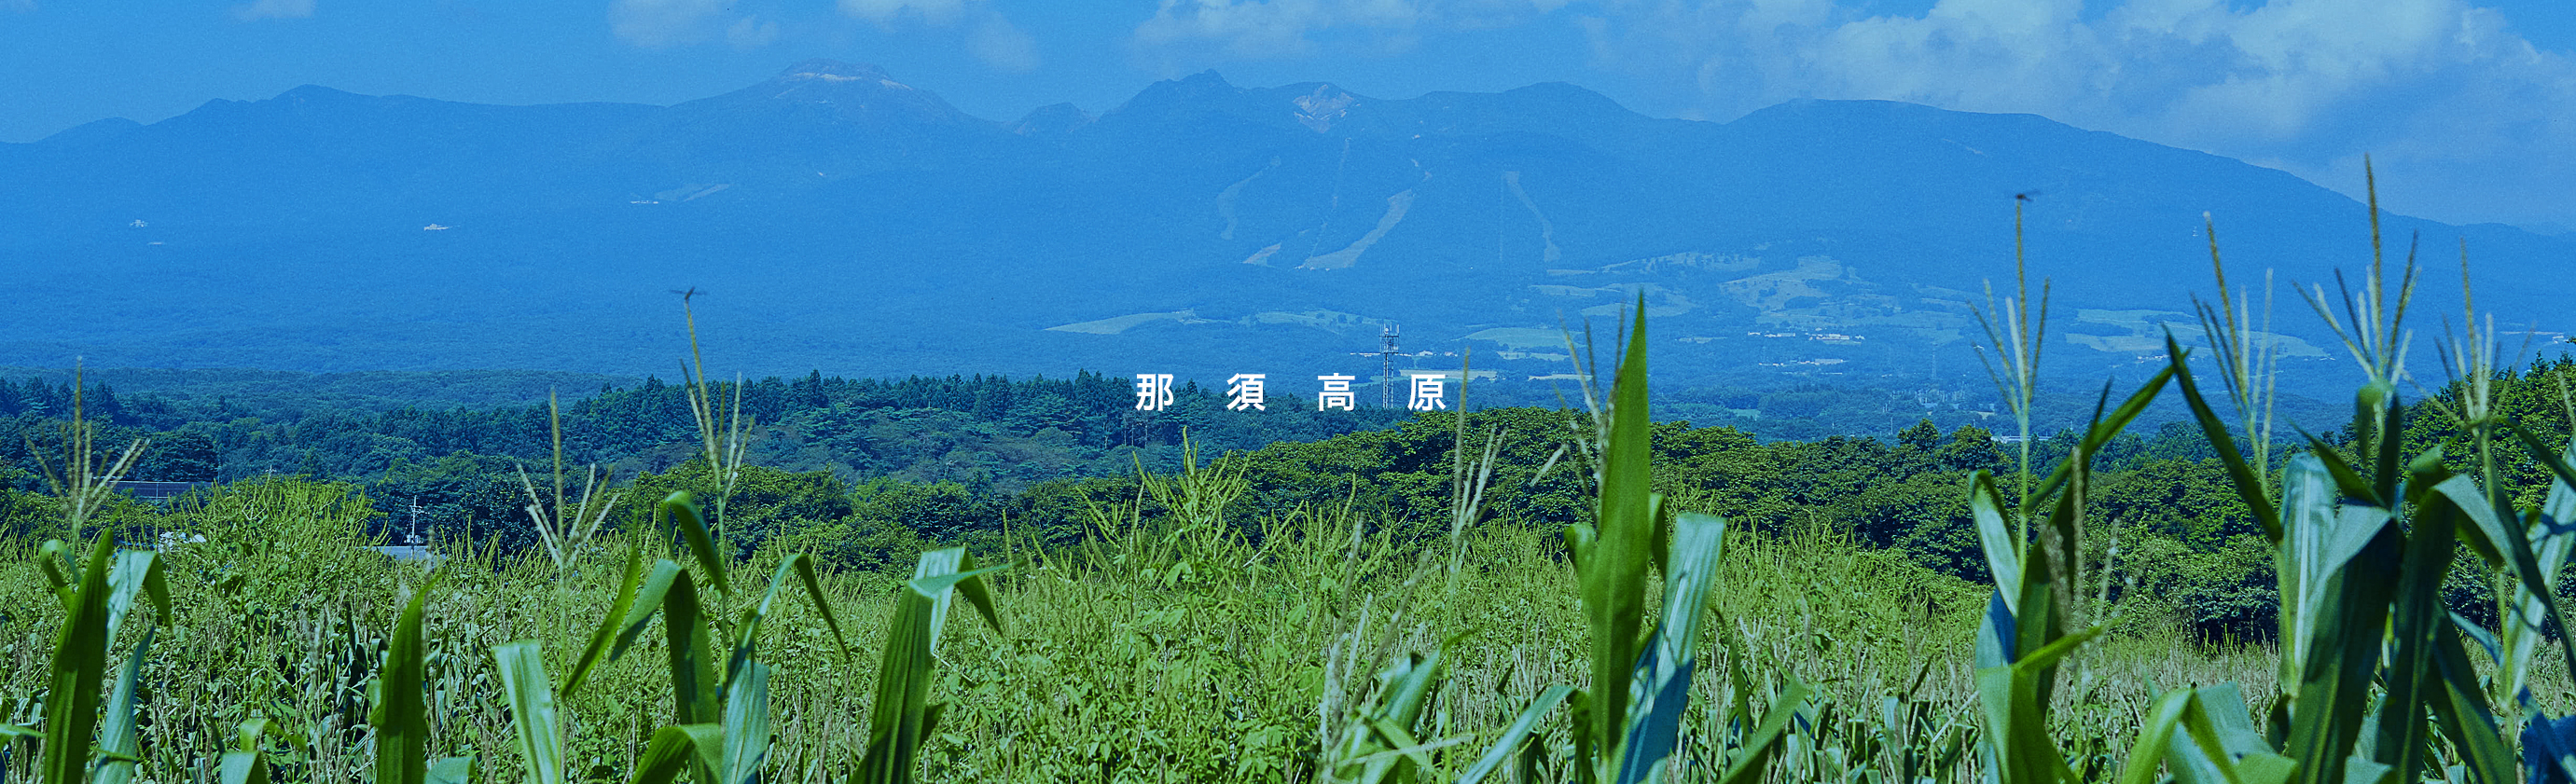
pixel 845 221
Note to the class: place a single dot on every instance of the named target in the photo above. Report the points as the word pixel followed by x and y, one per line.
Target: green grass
pixel 1137 661
pixel 1129 658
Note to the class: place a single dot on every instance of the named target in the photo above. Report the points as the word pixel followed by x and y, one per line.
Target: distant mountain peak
pixel 315 92
pixel 1051 122
pixel 1195 88
pixel 820 93
pixel 855 86
pixel 827 70
pixel 1318 108
pixel 1207 78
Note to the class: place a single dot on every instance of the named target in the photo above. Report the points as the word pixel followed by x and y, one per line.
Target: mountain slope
pixel 844 220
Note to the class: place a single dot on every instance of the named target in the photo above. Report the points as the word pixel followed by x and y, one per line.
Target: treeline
pixel 461 465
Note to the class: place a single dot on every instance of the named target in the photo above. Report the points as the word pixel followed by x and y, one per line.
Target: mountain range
pixel 835 218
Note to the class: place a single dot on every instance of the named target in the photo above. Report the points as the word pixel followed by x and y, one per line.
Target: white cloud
pixel 657 24
pixel 1272 28
pixel 20 6
pixel 2445 93
pixel 936 12
pixel 751 33
pixel 1002 45
pixel 669 23
pixel 989 36
pixel 261 9
pixel 2466 119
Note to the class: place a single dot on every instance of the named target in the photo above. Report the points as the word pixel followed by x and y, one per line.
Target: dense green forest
pixel 868 472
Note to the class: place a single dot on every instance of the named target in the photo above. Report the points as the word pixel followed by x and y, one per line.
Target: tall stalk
pixel 84 480
pixel 723 433
pixel 2017 335
pixel 565 528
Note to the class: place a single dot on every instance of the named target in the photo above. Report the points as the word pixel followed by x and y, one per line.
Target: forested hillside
pixel 867 472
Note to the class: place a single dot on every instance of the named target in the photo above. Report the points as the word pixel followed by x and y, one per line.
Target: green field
pixel 1645 602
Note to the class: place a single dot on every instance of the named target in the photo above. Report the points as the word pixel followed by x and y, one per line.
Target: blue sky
pixel 2469 108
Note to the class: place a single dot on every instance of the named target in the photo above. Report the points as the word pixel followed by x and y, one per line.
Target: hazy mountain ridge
pixel 850 222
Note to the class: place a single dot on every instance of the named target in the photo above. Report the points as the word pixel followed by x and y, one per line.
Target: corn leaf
pixel 2548 749
pixel 539 731
pixel 78 667
pixel 2016 716
pixel 748 631
pixel 2304 566
pixel 2249 485
pixel 1363 751
pixel 243 767
pixel 1663 670
pixel 1408 686
pixel 245 764
pixel 1516 735
pixel 2104 427
pixel 400 715
pixel 941 571
pixel 117 739
pixel 648 600
pixel 1997 537
pixel 695 691
pixel 2551 534
pixel 138 575
pixel 2533 556
pixel 1612 575
pixel 901 718
pixel 451 770
pixel 1762 745
pixel 606 635
pixel 2416 620
pixel 670 591
pixel 61 573
pixel 2155 735
pixel 682 510
pixel 2347 479
pixel 674 750
pixel 2344 613
pixel 1402 764
pixel 823 605
pixel 2460 709
pixel 746 726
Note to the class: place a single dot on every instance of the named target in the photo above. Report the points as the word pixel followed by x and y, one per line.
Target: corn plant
pixel 563 528
pixel 724 433
pixel 98 594
pixel 86 476
pixel 1627 725
pixel 1379 743
pixel 399 706
pixel 2376 673
pixel 903 715
pixel 2377 680
pixel 719 730
pixel 2030 624
pixel 1628 720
